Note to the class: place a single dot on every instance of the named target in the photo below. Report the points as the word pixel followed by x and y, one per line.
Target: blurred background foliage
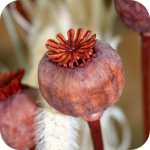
pixel 27 24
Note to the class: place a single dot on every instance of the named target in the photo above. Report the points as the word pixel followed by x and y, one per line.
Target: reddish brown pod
pixel 133 14
pixel 80 76
pixel 137 18
pixel 17 111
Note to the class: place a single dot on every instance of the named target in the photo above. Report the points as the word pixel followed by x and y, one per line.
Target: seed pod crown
pixel 10 83
pixel 73 52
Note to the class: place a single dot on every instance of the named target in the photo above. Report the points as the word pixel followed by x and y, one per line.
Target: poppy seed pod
pixel 17 111
pixel 80 76
pixel 133 14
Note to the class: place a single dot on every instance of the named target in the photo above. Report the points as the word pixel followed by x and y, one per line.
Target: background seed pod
pixel 134 15
pixel 17 115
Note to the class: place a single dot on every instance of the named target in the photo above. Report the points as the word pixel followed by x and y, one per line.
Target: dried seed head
pixel 73 52
pixel 133 14
pixel 10 83
pixel 83 91
pixel 18 109
pixel 17 115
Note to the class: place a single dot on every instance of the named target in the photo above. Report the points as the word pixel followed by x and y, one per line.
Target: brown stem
pixel 19 7
pixel 33 148
pixel 96 133
pixel 146 81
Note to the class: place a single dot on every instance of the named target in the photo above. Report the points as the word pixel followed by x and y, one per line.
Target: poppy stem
pixel 96 133
pixel 146 81
pixel 33 148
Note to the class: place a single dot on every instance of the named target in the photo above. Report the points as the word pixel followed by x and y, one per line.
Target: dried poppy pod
pixel 17 111
pixel 133 14
pixel 80 76
pixel 137 18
